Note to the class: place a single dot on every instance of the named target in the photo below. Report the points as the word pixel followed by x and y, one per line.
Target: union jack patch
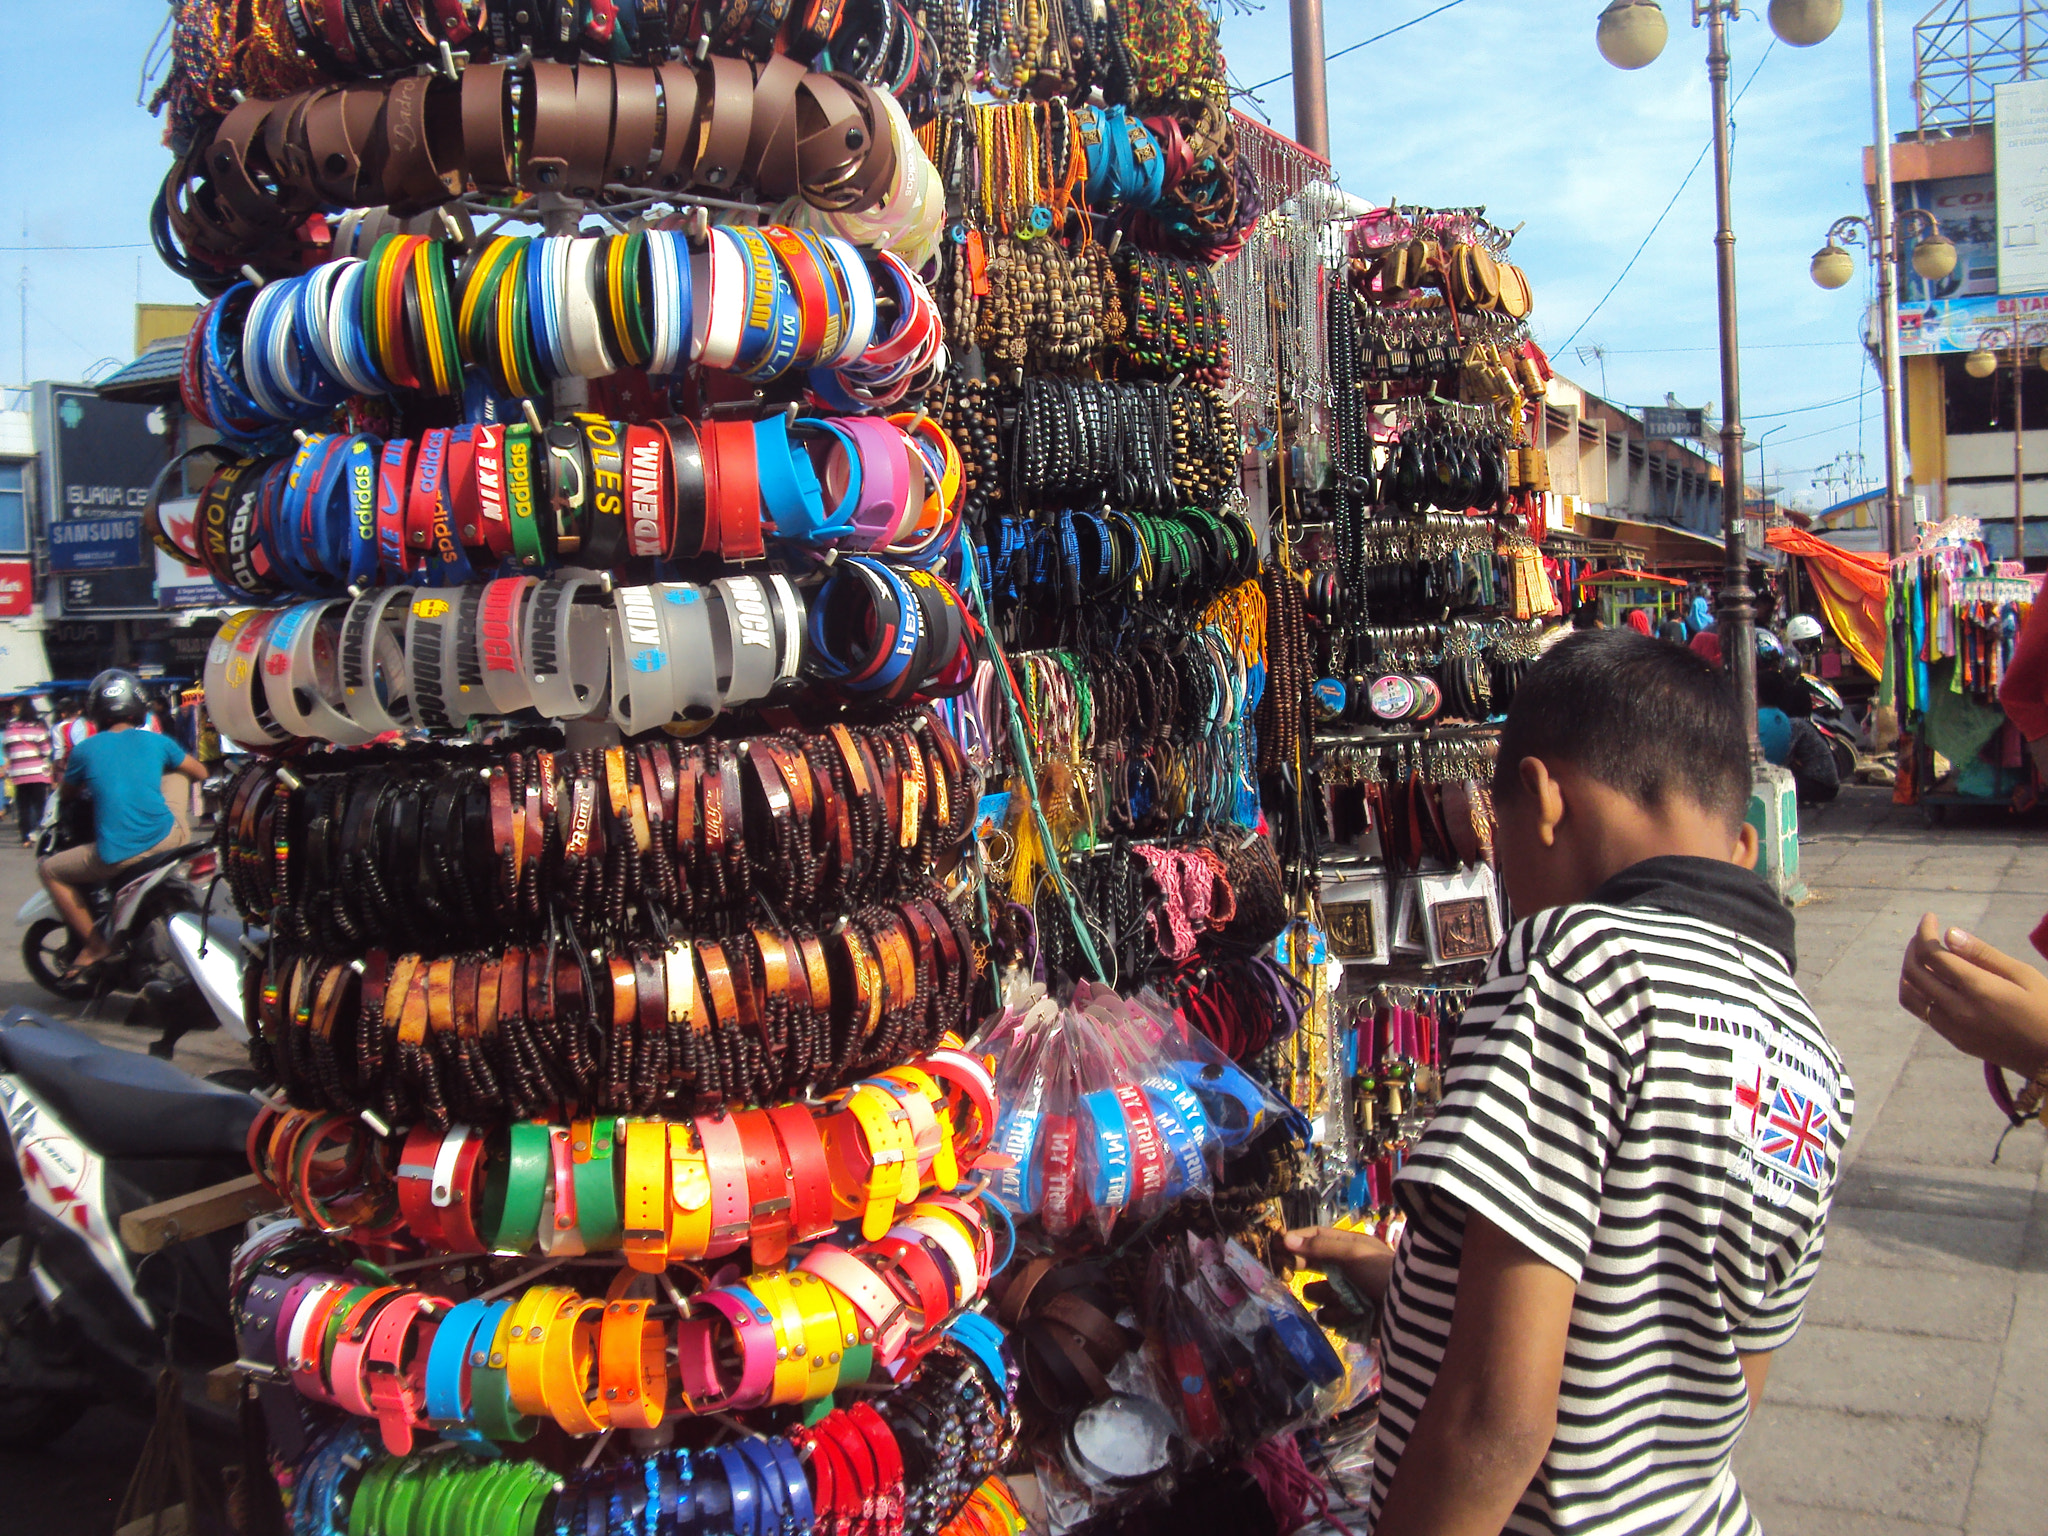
pixel 1795 1136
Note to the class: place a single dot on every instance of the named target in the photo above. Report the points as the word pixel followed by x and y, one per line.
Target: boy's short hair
pixel 1646 717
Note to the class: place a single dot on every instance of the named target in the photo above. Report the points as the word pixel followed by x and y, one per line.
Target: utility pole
pixel 1884 239
pixel 1738 647
pixel 1311 93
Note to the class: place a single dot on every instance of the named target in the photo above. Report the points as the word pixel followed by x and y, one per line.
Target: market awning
pixel 1852 588
pixel 1661 543
pixel 1632 578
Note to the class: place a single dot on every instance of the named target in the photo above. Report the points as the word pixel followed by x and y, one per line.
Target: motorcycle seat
pixel 148 862
pixel 122 1104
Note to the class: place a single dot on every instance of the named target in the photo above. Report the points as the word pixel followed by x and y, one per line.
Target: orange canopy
pixel 1852 587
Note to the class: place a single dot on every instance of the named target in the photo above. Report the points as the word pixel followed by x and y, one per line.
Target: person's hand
pixel 1984 1003
pixel 1365 1262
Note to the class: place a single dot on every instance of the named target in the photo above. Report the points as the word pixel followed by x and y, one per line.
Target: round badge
pixel 1430 697
pixel 1391 697
pixel 1329 696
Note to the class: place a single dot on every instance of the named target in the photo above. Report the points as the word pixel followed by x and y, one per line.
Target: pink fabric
pixel 1708 644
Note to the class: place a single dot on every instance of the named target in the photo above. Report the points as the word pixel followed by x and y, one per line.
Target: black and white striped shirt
pixel 1640 1096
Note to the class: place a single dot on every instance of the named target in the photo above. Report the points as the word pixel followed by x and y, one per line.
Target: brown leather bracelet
pixel 591 143
pixel 681 133
pixel 550 109
pixel 730 114
pixel 770 165
pixel 486 127
pixel 636 123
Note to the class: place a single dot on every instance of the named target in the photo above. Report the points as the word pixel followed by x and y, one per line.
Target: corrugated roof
pixel 152 379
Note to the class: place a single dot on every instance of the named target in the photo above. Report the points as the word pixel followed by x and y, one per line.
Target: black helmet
pixel 116 698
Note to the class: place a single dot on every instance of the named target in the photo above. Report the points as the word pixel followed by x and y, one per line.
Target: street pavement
pixel 1915 1399
pixel 1912 1403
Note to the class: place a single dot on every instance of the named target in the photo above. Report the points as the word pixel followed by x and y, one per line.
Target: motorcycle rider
pixel 130 774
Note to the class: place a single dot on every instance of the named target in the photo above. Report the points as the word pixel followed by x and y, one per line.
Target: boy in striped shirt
pixel 1616 1212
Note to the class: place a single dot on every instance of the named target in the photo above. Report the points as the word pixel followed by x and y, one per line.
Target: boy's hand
pixel 1984 1003
pixel 1363 1260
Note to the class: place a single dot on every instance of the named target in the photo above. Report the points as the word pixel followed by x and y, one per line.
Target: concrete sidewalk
pixel 1915 1399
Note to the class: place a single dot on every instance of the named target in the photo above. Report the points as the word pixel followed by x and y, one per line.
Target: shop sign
pixel 17 588
pixel 179 585
pixel 121 591
pixel 1960 324
pixel 1674 421
pixel 78 648
pixel 2020 130
pixel 97 544
pixel 99 457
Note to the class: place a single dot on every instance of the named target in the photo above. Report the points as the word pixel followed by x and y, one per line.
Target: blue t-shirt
pixel 1774 734
pixel 125 770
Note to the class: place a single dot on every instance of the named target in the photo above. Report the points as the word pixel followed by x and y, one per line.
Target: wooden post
pixel 197 1213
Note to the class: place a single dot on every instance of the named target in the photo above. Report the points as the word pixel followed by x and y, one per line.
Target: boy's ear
pixel 1746 846
pixel 1545 797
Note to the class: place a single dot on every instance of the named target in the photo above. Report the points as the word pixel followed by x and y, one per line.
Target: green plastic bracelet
pixel 597 1190
pixel 515 1184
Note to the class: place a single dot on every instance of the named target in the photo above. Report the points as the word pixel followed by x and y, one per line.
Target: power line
pixel 139 246
pixel 1801 410
pixel 1747 346
pixel 1670 205
pixel 1375 38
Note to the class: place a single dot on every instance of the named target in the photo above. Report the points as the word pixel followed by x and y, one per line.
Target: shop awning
pixel 1632 578
pixel 1852 588
pixel 1661 543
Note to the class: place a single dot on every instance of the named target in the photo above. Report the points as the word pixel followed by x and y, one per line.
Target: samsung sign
pixel 96 544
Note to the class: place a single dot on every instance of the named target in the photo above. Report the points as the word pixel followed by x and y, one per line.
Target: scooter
pixel 1830 716
pixel 94 1133
pixel 134 915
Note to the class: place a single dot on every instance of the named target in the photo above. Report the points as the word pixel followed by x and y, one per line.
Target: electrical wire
pixel 1801 410
pixel 1675 196
pixel 1375 38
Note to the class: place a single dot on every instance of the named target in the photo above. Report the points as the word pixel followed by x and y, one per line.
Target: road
pixel 1911 1404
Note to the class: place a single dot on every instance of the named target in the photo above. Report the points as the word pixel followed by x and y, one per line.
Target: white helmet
pixel 1803 628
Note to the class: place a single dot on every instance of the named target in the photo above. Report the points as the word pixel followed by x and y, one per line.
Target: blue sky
pixel 1500 102
pixel 1509 104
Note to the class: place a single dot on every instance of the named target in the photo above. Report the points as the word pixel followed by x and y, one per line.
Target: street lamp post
pixel 1981 364
pixel 1934 257
pixel 1885 231
pixel 1631 35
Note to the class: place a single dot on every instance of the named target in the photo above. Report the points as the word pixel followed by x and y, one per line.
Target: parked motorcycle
pixel 95 1132
pixel 134 914
pixel 1831 717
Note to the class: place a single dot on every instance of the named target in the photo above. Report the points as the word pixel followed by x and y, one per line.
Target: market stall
pixel 1953 621
pixel 874 640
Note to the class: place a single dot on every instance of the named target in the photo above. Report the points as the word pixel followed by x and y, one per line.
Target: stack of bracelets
pixel 745 560
pixel 900 1463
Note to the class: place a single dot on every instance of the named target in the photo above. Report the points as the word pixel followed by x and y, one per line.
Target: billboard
pixel 98 460
pixel 2020 138
pixel 179 585
pixel 1967 208
pixel 1957 325
pixel 17 588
